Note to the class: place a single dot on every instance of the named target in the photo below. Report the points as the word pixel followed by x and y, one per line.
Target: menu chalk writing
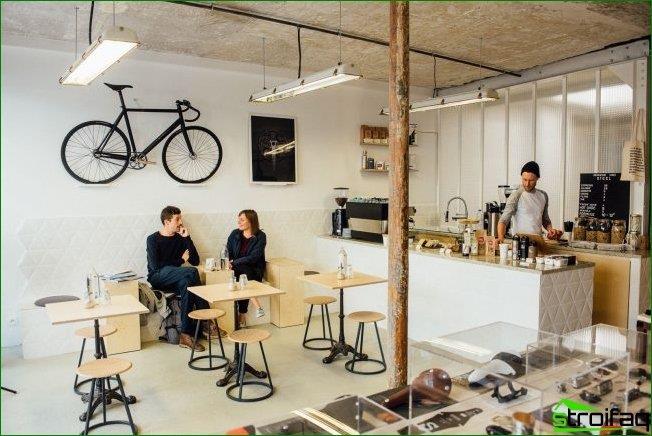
pixel 603 195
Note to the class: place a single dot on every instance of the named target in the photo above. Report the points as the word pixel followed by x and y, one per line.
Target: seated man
pixel 167 250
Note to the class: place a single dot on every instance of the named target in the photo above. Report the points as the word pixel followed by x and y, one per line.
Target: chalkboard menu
pixel 604 195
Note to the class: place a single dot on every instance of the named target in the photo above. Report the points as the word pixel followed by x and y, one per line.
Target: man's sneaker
pixel 185 341
pixel 260 312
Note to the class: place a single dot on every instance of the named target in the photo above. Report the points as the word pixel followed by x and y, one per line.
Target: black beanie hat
pixel 531 167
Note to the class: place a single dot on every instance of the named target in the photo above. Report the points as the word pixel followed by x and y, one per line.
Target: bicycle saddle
pixel 117 87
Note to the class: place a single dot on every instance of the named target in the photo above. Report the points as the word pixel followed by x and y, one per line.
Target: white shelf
pixel 362 144
pixel 362 170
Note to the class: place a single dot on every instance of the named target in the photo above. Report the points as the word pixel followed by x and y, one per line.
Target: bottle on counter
pixel 342 264
pixel 91 285
pixel 474 244
pixel 363 160
pixel 523 247
pixel 224 259
pixel 515 247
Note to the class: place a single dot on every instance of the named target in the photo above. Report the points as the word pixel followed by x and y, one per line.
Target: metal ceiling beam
pixel 298 24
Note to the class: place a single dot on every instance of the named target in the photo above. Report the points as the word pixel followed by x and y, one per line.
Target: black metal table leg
pixel 341 347
pixel 232 368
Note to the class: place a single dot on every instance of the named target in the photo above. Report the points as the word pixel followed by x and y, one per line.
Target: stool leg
pixel 305 334
pixel 90 405
pixel 243 356
pixel 210 348
pixel 357 339
pixel 126 403
pixel 323 322
pixel 219 337
pixel 330 332
pixel 81 354
pixel 105 355
pixel 380 345
pixel 269 375
pixel 361 336
pixel 194 341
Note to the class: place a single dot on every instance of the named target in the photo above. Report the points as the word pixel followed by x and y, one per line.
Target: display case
pixel 347 415
pixel 585 382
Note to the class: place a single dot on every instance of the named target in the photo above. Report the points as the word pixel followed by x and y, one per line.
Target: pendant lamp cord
pixel 113 14
pixel 90 24
pixel 264 76
pixel 299 45
pixel 76 29
pixel 434 76
pixel 339 32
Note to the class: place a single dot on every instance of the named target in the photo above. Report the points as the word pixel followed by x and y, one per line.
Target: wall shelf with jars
pixel 378 135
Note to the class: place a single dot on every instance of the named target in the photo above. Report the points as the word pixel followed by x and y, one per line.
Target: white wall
pixel 37 113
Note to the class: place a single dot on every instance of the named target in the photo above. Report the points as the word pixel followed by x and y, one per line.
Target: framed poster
pixel 273 150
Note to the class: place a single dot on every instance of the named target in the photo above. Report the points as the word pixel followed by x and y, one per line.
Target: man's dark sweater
pixel 167 250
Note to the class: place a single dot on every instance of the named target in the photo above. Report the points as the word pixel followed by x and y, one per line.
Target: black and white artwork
pixel 273 150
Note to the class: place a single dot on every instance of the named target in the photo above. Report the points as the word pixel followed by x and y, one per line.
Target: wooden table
pixel 330 281
pixel 219 293
pixel 74 311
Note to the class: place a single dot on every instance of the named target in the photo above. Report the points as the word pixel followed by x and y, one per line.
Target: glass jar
pixel 592 230
pixel 604 231
pixel 579 229
pixel 618 231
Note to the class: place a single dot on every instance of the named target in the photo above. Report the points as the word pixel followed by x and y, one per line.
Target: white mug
pixel 210 264
pixel 243 281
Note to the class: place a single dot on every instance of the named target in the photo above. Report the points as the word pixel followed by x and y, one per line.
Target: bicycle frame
pixel 124 113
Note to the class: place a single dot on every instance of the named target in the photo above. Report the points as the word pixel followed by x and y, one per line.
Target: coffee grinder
pixel 340 221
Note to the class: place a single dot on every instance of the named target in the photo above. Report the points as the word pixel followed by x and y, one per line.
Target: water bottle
pixel 342 263
pixel 91 283
pixel 224 258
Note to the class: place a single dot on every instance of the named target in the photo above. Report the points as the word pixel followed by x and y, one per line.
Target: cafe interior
pixel 323 217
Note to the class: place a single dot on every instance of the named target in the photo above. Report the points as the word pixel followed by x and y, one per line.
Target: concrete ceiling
pixel 509 35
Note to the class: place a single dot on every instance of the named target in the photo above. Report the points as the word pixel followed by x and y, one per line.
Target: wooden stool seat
pixel 366 316
pixel 247 336
pixel 89 332
pixel 206 314
pixel 103 368
pixel 319 300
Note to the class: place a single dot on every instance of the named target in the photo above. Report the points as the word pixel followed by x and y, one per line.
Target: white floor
pixel 172 398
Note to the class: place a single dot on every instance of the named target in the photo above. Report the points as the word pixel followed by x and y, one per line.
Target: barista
pixel 527 207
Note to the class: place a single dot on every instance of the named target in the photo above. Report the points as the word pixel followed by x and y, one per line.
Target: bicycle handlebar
pixel 187 104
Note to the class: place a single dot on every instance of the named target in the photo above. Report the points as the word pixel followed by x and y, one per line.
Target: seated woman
pixel 246 247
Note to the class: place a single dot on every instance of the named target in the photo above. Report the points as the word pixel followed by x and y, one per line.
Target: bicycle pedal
pixel 145 162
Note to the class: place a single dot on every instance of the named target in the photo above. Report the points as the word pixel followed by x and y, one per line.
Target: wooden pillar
pixel 399 84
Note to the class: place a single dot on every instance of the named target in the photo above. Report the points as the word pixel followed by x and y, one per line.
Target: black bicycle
pixel 99 152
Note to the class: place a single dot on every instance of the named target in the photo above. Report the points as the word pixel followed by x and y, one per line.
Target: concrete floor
pixel 172 398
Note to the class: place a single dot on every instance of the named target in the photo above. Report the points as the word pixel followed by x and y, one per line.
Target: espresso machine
pixel 340 221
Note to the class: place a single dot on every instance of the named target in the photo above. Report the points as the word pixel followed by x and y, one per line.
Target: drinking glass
pixel 243 281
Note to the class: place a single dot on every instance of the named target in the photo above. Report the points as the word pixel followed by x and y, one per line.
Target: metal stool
pixel 206 315
pixel 99 370
pixel 244 337
pixel 322 301
pixel 89 333
pixel 361 318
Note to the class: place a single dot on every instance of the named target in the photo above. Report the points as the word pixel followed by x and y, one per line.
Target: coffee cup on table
pixel 504 249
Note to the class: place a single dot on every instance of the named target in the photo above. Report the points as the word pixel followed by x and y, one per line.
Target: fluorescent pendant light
pixel 484 94
pixel 106 50
pixel 323 79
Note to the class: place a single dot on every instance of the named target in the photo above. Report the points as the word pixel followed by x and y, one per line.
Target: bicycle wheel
pixel 186 168
pixel 81 159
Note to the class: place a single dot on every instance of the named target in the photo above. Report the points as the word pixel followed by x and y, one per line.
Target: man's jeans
pixel 177 279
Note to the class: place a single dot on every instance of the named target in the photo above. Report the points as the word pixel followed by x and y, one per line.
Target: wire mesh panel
pixel 495 153
pixel 580 135
pixel 616 108
pixel 470 143
pixel 549 110
pixel 449 164
pixel 521 144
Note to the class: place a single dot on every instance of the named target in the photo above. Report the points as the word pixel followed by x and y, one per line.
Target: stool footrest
pixel 246 383
pixel 210 367
pixel 332 341
pixel 348 365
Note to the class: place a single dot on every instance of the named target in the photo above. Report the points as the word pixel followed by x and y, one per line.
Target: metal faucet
pixel 456 217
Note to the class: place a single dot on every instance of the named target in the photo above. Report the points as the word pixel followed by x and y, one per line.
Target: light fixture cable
pixel 90 24
pixel 113 14
pixel 299 46
pixel 434 77
pixel 339 33
pixel 264 75
pixel 76 31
